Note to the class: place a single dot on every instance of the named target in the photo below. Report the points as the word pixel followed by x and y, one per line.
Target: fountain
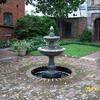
pixel 51 50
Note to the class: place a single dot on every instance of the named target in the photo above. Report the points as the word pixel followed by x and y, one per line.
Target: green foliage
pixel 35 43
pixel 35 53
pixel 28 44
pixel 57 8
pixel 68 41
pixel 77 41
pixel 32 26
pixel 86 35
pixel 20 45
pixel 3 44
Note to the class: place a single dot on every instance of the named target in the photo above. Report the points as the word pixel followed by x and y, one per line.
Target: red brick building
pixel 9 13
pixel 72 27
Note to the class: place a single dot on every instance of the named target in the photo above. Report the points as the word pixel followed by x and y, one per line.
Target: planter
pixel 21 47
pixel 22 52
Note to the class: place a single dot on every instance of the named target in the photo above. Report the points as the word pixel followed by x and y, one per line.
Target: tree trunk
pixel 59 25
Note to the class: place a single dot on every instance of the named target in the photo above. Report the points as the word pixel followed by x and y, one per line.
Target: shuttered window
pixel 8 19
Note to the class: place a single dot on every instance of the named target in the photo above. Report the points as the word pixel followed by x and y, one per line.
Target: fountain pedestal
pixel 51 64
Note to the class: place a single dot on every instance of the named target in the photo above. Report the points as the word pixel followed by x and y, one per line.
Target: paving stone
pixel 16 85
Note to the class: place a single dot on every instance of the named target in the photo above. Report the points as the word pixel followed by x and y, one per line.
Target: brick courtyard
pixel 15 84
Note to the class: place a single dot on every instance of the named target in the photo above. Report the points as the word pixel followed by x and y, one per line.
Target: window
pixel 8 19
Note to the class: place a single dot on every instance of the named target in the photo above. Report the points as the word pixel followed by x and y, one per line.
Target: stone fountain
pixel 51 50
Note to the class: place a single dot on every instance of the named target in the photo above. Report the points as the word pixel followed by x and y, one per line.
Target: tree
pixel 57 8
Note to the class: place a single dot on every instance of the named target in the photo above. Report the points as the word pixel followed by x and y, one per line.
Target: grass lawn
pixel 75 50
pixel 35 53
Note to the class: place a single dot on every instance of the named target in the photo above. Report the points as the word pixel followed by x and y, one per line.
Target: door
pixel 68 29
pixel 97 29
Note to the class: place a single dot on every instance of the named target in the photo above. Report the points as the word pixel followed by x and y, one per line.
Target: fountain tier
pixel 51 52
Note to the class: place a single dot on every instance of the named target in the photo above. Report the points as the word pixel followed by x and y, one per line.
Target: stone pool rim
pixel 29 74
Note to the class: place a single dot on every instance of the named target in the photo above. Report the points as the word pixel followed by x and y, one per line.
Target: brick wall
pixel 82 23
pixel 6 33
pixel 77 25
pixel 17 8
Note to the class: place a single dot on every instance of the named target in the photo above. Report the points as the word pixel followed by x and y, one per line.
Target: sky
pixel 79 13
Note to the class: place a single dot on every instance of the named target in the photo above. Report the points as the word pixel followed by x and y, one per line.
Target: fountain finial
pixel 51 31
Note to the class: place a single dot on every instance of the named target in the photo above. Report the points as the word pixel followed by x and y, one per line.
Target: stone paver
pixel 94 56
pixel 15 84
pixel 5 54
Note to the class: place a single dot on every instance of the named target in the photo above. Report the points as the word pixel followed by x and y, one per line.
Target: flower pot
pixel 22 52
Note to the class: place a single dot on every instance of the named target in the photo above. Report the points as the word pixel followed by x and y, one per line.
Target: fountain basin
pixel 44 72
pixel 51 52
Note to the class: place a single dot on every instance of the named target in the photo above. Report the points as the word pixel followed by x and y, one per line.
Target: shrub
pixel 68 41
pixel 31 26
pixel 28 44
pixel 35 43
pixel 86 35
pixel 19 45
pixel 4 44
